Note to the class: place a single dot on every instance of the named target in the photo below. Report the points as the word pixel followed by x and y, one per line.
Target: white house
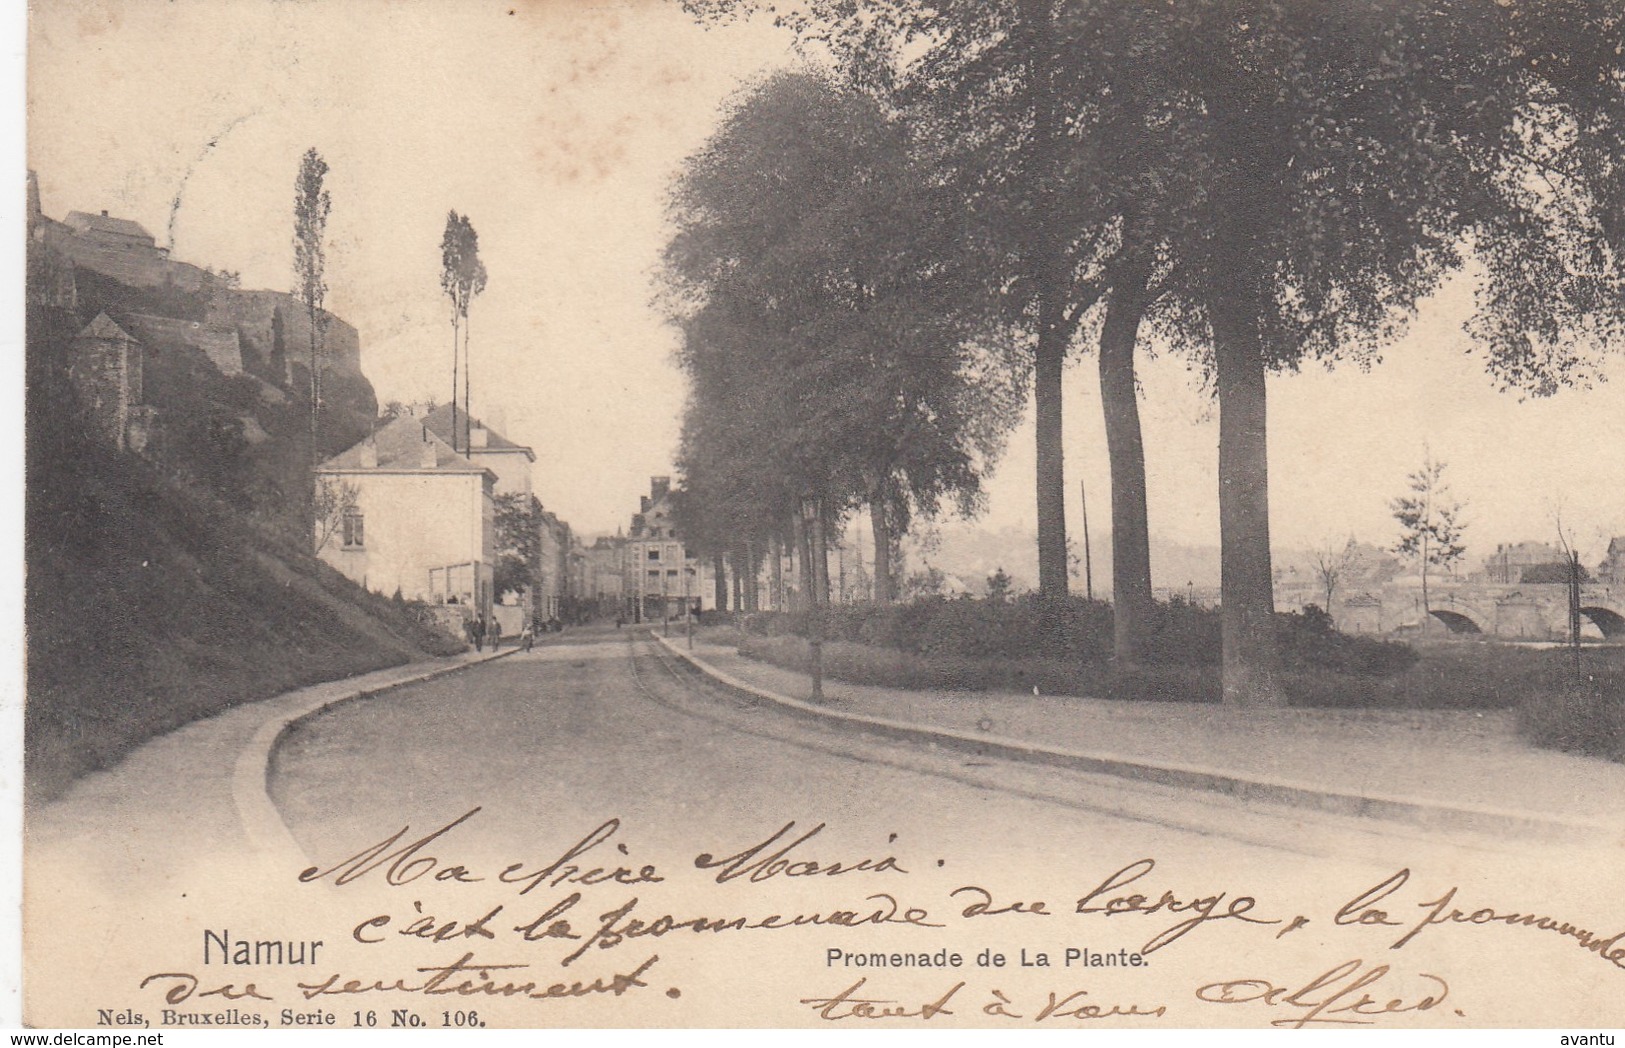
pixel 408 514
pixel 486 447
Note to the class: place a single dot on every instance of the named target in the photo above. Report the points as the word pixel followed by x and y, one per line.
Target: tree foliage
pixel 517 521
pixel 334 501
pixel 1292 179
pixel 311 205
pixel 462 278
pixel 825 360
pixel 1430 521
pixel 1332 563
pixel 1553 572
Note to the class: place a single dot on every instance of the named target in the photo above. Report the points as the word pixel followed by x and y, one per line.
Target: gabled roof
pixel 83 220
pixel 104 327
pixel 400 446
pixel 439 423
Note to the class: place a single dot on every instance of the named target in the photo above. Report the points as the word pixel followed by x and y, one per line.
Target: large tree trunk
pixel 776 580
pixel 1045 255
pixel 815 574
pixel 1132 606
pixel 752 600
pixel 1247 616
pixel 801 565
pixel 1051 353
pixel 818 549
pixel 719 581
pixel 884 591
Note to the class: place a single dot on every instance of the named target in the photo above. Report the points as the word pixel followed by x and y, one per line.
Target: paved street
pixel 598 725
pixel 645 849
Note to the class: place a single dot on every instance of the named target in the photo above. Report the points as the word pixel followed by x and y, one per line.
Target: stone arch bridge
pixel 1535 611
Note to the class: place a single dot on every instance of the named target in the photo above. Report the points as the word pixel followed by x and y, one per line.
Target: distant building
pixel 411 515
pixel 605 562
pixel 553 581
pixel 1507 564
pixel 1612 568
pixel 110 245
pixel 107 231
pixel 659 573
pixel 106 365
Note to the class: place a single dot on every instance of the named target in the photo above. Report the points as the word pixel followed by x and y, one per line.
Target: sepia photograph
pixel 823 514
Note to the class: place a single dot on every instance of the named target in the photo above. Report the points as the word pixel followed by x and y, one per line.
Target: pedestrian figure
pixel 527 637
pixel 495 634
pixel 479 633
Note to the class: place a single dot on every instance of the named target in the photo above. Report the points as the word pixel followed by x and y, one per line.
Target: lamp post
pixel 665 606
pixel 688 610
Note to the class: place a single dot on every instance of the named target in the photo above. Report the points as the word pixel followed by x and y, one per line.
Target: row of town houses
pixel 418 501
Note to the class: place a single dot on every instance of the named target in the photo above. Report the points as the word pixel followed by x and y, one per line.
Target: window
pixel 654 573
pixel 671 573
pixel 654 553
pixel 354 529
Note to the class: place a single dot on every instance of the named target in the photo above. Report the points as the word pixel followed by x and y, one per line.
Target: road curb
pixel 251 775
pixel 1428 814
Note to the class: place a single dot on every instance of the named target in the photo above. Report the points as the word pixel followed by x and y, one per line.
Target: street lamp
pixel 665 607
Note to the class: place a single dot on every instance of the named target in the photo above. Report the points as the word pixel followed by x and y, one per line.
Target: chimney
pixel 104 212
pixel 369 455
pixel 660 486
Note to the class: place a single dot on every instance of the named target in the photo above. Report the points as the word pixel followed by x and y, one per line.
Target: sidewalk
pixel 1461 769
pixel 209 775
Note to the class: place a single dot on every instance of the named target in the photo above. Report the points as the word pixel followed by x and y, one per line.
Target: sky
pixel 557 126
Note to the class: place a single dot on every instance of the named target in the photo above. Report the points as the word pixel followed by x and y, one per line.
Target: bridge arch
pixel 1609 621
pixel 1457 621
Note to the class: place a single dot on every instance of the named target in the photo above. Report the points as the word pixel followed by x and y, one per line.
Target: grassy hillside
pixel 153 599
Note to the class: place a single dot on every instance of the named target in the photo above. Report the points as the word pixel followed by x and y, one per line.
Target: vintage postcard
pixel 644 513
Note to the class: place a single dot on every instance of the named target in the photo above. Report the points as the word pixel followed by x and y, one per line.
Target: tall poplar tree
pixel 462 277
pixel 311 205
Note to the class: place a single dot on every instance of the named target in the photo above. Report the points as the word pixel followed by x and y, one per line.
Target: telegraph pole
pixel 1574 610
pixel 1088 567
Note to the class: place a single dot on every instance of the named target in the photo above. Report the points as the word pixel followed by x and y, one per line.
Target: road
pixel 594 749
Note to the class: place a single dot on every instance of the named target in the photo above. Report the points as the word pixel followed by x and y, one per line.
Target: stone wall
pixel 221 347
pixel 252 315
